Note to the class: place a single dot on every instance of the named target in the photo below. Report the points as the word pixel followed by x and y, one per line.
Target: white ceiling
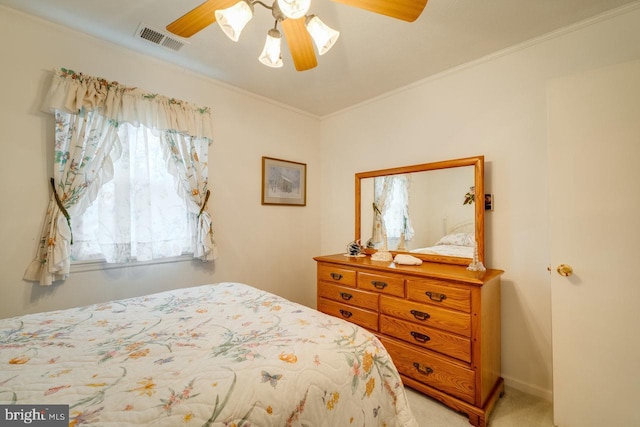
pixel 373 56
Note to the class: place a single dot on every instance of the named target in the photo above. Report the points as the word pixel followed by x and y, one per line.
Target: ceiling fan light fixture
pixel 232 20
pixel 271 55
pixel 323 36
pixel 294 9
pixel 301 31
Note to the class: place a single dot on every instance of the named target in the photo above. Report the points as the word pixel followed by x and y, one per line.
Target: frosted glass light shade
pixel 271 55
pixel 294 9
pixel 233 19
pixel 323 36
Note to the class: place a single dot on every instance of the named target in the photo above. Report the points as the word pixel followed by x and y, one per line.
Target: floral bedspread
pixel 214 355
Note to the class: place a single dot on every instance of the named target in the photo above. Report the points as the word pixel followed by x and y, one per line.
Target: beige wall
pixel 259 245
pixel 495 107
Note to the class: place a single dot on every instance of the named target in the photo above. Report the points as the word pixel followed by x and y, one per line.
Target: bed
pixel 454 244
pixel 225 354
pixel 458 241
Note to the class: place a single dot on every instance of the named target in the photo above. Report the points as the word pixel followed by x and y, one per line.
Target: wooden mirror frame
pixel 477 162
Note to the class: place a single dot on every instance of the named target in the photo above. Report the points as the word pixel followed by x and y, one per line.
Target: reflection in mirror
pixel 427 210
pixel 420 209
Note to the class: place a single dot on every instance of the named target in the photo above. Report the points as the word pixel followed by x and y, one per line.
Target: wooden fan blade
pixel 406 10
pixel 300 43
pixel 198 18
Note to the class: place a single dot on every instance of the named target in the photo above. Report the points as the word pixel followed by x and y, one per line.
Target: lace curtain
pixel 88 112
pixel 138 214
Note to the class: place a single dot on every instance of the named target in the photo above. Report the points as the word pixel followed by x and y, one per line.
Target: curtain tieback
pixel 204 205
pixel 61 207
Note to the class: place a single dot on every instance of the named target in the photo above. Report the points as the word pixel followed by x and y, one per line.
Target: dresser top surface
pixel 426 269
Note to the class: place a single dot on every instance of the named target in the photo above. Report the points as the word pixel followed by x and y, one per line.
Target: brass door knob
pixel 564 270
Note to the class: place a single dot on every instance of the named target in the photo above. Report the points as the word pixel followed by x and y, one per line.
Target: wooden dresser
pixel 439 322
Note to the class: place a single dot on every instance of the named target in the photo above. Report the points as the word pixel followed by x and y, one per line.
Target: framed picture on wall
pixel 283 182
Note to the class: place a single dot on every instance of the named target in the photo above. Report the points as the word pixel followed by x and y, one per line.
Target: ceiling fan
pixel 301 30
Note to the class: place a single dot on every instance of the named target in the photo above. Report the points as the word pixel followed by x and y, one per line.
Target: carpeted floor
pixel 515 409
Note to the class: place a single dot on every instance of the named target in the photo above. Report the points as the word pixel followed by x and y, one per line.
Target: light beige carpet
pixel 515 409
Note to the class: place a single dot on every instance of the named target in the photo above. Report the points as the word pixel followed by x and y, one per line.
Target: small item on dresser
pixel 382 256
pixel 476 265
pixel 405 259
pixel 355 249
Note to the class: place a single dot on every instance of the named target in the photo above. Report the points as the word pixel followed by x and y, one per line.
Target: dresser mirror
pixel 433 211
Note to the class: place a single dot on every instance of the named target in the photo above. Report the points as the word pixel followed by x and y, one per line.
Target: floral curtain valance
pixel 78 93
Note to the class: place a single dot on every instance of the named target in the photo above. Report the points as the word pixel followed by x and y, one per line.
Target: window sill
pixel 80 266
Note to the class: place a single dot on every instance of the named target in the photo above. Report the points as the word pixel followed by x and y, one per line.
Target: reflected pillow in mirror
pixel 458 239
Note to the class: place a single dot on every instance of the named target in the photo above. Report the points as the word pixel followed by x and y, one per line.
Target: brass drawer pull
pixel 420 337
pixel 345 296
pixel 346 314
pixel 379 285
pixel 434 296
pixel 422 369
pixel 336 276
pixel 419 315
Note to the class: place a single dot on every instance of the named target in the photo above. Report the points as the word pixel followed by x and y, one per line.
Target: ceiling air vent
pixel 159 37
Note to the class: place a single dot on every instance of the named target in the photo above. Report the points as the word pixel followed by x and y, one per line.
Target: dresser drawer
pixel 439 293
pixel 359 316
pixel 433 339
pixel 348 295
pixel 335 274
pixel 427 315
pixel 389 285
pixel 432 370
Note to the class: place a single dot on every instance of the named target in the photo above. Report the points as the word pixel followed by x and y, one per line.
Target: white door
pixel 594 208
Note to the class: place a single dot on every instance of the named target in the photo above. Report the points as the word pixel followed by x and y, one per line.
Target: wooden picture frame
pixel 283 182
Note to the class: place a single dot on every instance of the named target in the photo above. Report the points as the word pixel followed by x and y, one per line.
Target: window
pixel 97 123
pixel 138 215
